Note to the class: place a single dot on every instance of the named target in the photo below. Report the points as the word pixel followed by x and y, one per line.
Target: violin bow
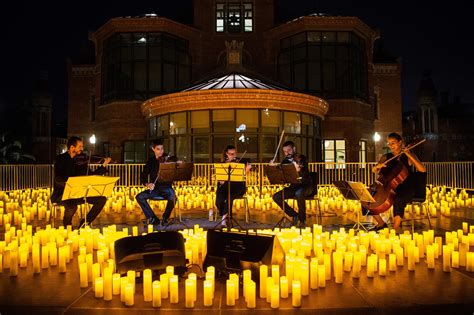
pixel 408 148
pixel 238 161
pixel 279 143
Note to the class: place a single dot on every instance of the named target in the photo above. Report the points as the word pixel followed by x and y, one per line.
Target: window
pixel 363 151
pixel 134 152
pixel 223 120
pixel 328 64
pixel 234 16
pixel 334 151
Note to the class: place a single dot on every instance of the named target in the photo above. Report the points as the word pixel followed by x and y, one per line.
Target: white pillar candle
pixel 446 258
pixel 116 284
pixel 156 293
pixel 382 267
pixel 164 281
pixel 83 275
pixel 108 284
pixel 430 256
pixel 263 281
pixel 230 292
pixel 284 287
pixel 296 294
pixel 275 297
pixel 321 276
pixel 99 287
pixel 188 293
pixel 208 294
pixel 392 262
pixel 129 295
pixel 455 259
pixel 147 289
pixel 174 297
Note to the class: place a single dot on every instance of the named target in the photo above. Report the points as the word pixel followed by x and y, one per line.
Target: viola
pixel 83 159
pixel 388 179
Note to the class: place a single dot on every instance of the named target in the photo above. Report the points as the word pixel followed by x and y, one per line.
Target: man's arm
pixel 60 172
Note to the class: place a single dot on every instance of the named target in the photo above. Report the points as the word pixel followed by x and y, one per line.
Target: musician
pixel 156 189
pixel 237 189
pixel 404 191
pixel 296 191
pixel 67 165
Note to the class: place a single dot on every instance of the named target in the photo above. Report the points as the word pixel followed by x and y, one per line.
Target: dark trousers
pixel 237 190
pixel 294 191
pixel 166 192
pixel 70 208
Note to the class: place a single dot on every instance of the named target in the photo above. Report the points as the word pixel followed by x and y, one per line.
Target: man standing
pixel 66 166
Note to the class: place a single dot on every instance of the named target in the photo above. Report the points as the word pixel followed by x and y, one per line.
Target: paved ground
pixel 402 292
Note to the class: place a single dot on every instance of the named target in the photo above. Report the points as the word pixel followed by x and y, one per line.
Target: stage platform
pixel 422 291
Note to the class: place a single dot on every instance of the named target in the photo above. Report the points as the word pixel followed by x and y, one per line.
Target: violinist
pixel 149 176
pixel 296 191
pixel 67 165
pixel 237 189
pixel 404 191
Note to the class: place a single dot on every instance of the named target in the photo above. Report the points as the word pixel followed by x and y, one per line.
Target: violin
pixel 167 157
pixel 83 159
pixel 388 179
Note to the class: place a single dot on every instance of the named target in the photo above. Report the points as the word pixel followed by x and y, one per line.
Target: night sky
pixel 39 36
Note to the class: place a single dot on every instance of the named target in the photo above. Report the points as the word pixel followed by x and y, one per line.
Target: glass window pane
pixel 314 37
pixel 139 76
pixel 201 149
pixel 247 119
pixel 200 121
pixel 180 148
pixel 154 73
pixel 249 143
pixel 271 121
pixel 292 122
pixel 300 76
pixel 178 123
pixel 169 77
pixel 162 126
pixel 152 127
pixel 223 120
pixel 220 142
pixel 329 37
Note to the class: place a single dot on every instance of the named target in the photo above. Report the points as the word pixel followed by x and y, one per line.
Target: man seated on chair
pixel 156 189
pixel 297 191
pixel 237 189
pixel 404 191
pixel 67 165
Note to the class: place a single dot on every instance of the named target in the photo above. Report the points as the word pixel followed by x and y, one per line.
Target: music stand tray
pixel 280 175
pixel 170 172
pixel 354 191
pixel 88 186
pixel 230 172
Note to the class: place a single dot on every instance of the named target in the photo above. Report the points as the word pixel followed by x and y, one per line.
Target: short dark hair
pixel 289 143
pixel 156 142
pixel 72 141
pixel 395 135
pixel 226 149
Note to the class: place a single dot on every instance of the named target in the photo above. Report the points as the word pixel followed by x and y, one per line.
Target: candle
pixel 430 256
pixel 116 284
pixel 392 262
pixel 95 274
pixel 83 274
pixel 147 293
pixel 44 257
pixel 338 271
pixel 156 293
pixel 470 261
pixel 129 296
pixel 446 258
pixel 411 256
pixel 382 267
pixel 263 281
pixel 313 271
pixel 107 284
pixel 24 257
pixel 36 258
pixel 348 261
pixel 356 265
pixel 189 294
pixel 269 284
pixel 230 294
pixel 321 277
pixel 62 259
pixel 455 259
pixel 131 278
pixel 284 287
pixel 234 277
pixel 247 276
pixel 370 266
pixel 463 249
pixel 174 298
pixel 305 278
pixel 13 263
pixel 123 285
pixel 275 299
pixel 296 295
pixel 208 294
pixel 400 256
pixel 276 273
pixel 99 287
pixel 164 281
pixel 251 295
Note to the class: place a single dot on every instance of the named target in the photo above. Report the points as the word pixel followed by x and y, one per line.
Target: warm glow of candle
pixel 129 295
pixel 455 259
pixel 283 287
pixel 174 297
pixel 296 294
pixel 156 293
pixel 36 258
pixel 83 275
pixel 338 271
pixel 430 256
pixel 189 294
pixel 275 297
pixel 370 266
pixel 382 267
pixel 263 281
pixel 99 287
pixel 321 276
pixel 116 284
pixel 230 292
pixel 208 294
pixel 147 289
pixel 251 294
pixel 164 281
pixel 446 258
pixel 356 265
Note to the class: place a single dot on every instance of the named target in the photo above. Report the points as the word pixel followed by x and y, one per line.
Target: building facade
pixel 328 92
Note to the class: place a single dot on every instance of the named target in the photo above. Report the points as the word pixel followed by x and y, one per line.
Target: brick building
pixel 316 77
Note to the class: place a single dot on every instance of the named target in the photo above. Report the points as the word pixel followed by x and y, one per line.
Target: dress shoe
pixel 154 221
pixel 164 222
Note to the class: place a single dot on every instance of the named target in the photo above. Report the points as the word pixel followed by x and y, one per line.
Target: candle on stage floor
pixel 116 284
pixel 430 259
pixel 44 257
pixel 270 284
pixel 321 277
pixel 463 249
pixel 411 257
pixel 83 275
pixel 131 278
pixel 95 274
pixel 296 293
pixel 251 294
pixel 188 293
pixel 174 297
pixel 234 277
pixel 392 262
pixel 164 281
pixel 147 294
pixel 313 272
pixel 62 259
pixel 24 258
pixel 208 296
pixel 156 293
pixel 284 287
pixel 305 279
pixel 276 273
pixel 129 295
pixel 193 277
pixel 470 261
pixel 99 287
pixel 107 284
pixel 338 271
pixel 455 259
pixel 13 263
pixel 263 281
pixel 370 266
pixel 123 285
pixel 400 258
pixel 382 267
pixel 356 265
pixel 446 258
pixel 247 276
pixel 230 292
pixel 275 297
pixel 36 258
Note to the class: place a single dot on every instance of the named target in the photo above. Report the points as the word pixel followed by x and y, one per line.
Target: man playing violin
pixel 404 191
pixel 237 189
pixel 66 166
pixel 297 191
pixel 155 189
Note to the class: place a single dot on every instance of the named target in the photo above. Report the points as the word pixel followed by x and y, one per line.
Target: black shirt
pixel 304 169
pixel 150 172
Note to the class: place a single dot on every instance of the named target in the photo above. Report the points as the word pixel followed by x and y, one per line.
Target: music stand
pixel 175 171
pixel 78 187
pixel 354 191
pixel 230 172
pixel 280 175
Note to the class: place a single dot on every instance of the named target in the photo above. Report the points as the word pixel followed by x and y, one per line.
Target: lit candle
pixel 348 261
pixel 129 296
pixel 455 259
pixel 230 294
pixel 123 285
pixel 430 256
pixel 156 292
pixel 36 258
pixel 147 293
pixel 411 256
pixel 13 263
pixel 463 249
pixel 296 293
pixel 131 278
pixel 321 277
pixel 95 274
pixel 305 278
pixel 83 274
pixel 313 272
pixel 107 284
pixel 446 258
pixel 234 277
pixel 400 257
pixel 370 266
pixel 470 261
pixel 208 295
pixel 270 284
pixel 116 284
pixel 164 281
pixel 275 299
pixel 392 262
pixel 189 294
pixel 24 257
pixel 382 267
pixel 263 281
pixel 62 259
pixel 338 271
pixel 356 265
pixel 284 287
pixel 44 257
pixel 174 297
pixel 99 287
pixel 251 294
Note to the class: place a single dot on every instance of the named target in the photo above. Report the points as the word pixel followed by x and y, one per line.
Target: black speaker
pixel 235 251
pixel 154 251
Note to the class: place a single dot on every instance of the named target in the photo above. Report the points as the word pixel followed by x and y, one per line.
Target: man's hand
pixel 297 166
pixel 272 162
pixel 378 167
pixel 150 186
pixel 106 161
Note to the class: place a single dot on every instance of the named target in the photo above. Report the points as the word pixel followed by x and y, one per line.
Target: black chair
pixel 419 199
pixel 175 218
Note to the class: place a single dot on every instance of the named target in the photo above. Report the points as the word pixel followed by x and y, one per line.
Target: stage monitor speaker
pixel 154 251
pixel 236 251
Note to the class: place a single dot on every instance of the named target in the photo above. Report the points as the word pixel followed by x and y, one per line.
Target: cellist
pixel 404 191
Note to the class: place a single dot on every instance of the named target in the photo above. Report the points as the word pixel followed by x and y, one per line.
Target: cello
pixel 388 179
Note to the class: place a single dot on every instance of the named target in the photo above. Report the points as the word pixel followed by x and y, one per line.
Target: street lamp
pixel 376 137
